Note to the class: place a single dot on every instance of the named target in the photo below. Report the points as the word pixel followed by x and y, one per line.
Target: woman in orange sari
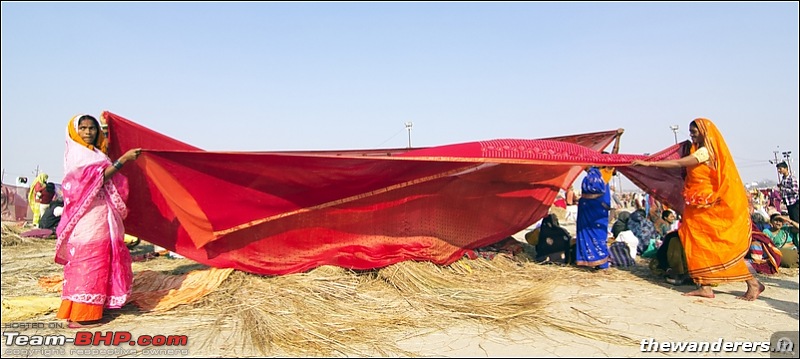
pixel 90 246
pixel 716 226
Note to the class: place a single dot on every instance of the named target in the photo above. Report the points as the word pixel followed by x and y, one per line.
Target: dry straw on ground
pixel 331 311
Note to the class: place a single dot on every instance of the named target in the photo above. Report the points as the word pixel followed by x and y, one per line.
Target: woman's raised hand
pixel 132 154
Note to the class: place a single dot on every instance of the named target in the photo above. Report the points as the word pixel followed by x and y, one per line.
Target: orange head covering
pixel 100 142
pixel 711 140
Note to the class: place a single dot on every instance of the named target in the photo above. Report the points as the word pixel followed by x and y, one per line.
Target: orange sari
pixel 715 232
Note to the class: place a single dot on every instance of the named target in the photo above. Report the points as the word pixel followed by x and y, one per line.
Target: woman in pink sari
pixel 90 245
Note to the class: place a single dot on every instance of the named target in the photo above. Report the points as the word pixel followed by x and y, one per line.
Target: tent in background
pixel 15 204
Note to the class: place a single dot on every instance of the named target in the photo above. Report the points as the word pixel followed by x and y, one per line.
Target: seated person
pixel 630 240
pixel 554 242
pixel 644 230
pixel 670 260
pixel 783 233
pixel 763 257
pixel 52 215
pixel 664 226
pixel 760 221
pixel 621 225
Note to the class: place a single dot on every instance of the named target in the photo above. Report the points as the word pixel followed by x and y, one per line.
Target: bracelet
pixel 117 164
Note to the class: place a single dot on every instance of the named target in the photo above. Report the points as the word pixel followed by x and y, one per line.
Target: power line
pixel 787 158
pixel 407 127
pixel 390 138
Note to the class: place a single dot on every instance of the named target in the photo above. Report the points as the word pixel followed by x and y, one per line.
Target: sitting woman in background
pixel 670 260
pixel 554 242
pixel 783 233
pixel 621 224
pixel 643 229
pixel 760 221
pixel 622 233
pixel 664 225
pixel 52 215
pixel 764 257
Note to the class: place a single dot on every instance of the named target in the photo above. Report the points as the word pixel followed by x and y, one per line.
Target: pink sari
pixel 90 245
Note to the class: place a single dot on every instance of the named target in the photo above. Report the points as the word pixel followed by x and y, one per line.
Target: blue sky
pixel 268 76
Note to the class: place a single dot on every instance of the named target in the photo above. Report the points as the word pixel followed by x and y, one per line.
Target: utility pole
pixel 408 127
pixel 775 162
pixel 674 129
pixel 787 158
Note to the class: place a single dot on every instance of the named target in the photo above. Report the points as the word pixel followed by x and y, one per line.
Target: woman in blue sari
pixel 591 247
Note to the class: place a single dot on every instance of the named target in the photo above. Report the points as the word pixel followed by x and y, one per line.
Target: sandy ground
pixel 641 310
pixel 635 305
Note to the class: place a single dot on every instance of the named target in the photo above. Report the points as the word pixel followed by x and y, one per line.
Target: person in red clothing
pixel 44 195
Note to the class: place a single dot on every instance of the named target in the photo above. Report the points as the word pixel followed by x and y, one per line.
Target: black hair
pixel 89 117
pixel 665 214
pixel 782 165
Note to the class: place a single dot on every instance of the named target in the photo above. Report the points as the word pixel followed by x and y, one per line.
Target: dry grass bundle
pixel 496 291
pixel 325 312
pixel 332 311
pixel 24 261
pixel 13 227
pixel 11 239
pixel 11 235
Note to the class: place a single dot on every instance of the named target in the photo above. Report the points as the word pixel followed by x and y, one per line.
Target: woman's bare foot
pixel 754 289
pixel 703 291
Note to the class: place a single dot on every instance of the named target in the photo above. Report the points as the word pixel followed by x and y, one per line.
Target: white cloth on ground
pixel 629 239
